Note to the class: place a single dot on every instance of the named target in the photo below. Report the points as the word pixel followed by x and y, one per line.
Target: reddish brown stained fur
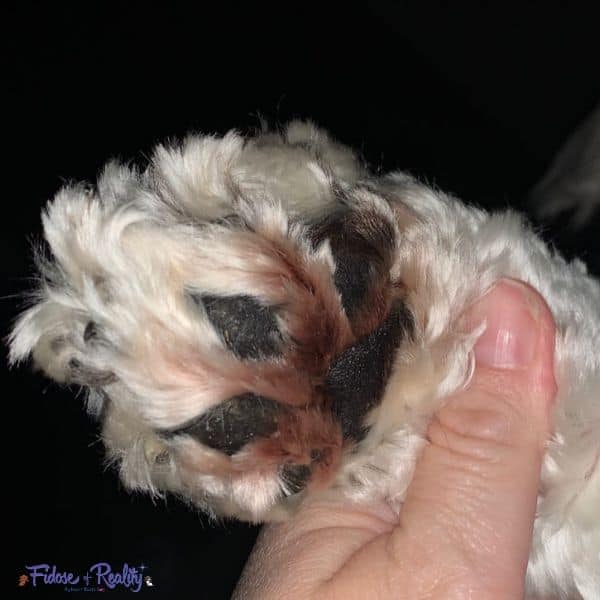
pixel 302 289
pixel 318 328
pixel 306 437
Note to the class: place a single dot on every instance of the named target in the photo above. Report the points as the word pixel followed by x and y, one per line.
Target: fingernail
pixel 512 331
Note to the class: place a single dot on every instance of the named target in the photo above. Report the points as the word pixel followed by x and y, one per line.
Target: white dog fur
pixel 123 254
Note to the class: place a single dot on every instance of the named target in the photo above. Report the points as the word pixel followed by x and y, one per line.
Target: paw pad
pixel 232 424
pixel 248 329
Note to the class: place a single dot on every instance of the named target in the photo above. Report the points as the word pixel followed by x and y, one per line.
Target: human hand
pixel 465 527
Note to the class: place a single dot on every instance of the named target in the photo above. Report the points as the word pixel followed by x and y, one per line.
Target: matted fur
pixel 251 218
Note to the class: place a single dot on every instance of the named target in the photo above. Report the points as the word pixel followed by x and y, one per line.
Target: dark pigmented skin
pixel 356 379
pixel 248 328
pixel 361 243
pixel 90 332
pixel 352 277
pixel 295 477
pixel 229 426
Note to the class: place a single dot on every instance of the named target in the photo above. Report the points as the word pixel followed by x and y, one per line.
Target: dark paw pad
pixel 229 426
pixel 357 378
pixel 361 243
pixel 294 478
pixel 248 328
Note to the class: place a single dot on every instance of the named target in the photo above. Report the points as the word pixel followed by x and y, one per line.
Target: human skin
pixel 465 528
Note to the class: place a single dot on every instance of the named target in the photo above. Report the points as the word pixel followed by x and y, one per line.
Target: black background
pixel 475 98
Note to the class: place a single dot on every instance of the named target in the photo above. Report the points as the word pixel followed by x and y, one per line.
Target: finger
pixel 301 557
pixel 474 493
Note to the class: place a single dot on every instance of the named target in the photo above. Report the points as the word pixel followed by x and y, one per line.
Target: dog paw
pixel 304 353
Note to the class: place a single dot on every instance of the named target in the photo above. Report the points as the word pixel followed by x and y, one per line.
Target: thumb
pixel 475 488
